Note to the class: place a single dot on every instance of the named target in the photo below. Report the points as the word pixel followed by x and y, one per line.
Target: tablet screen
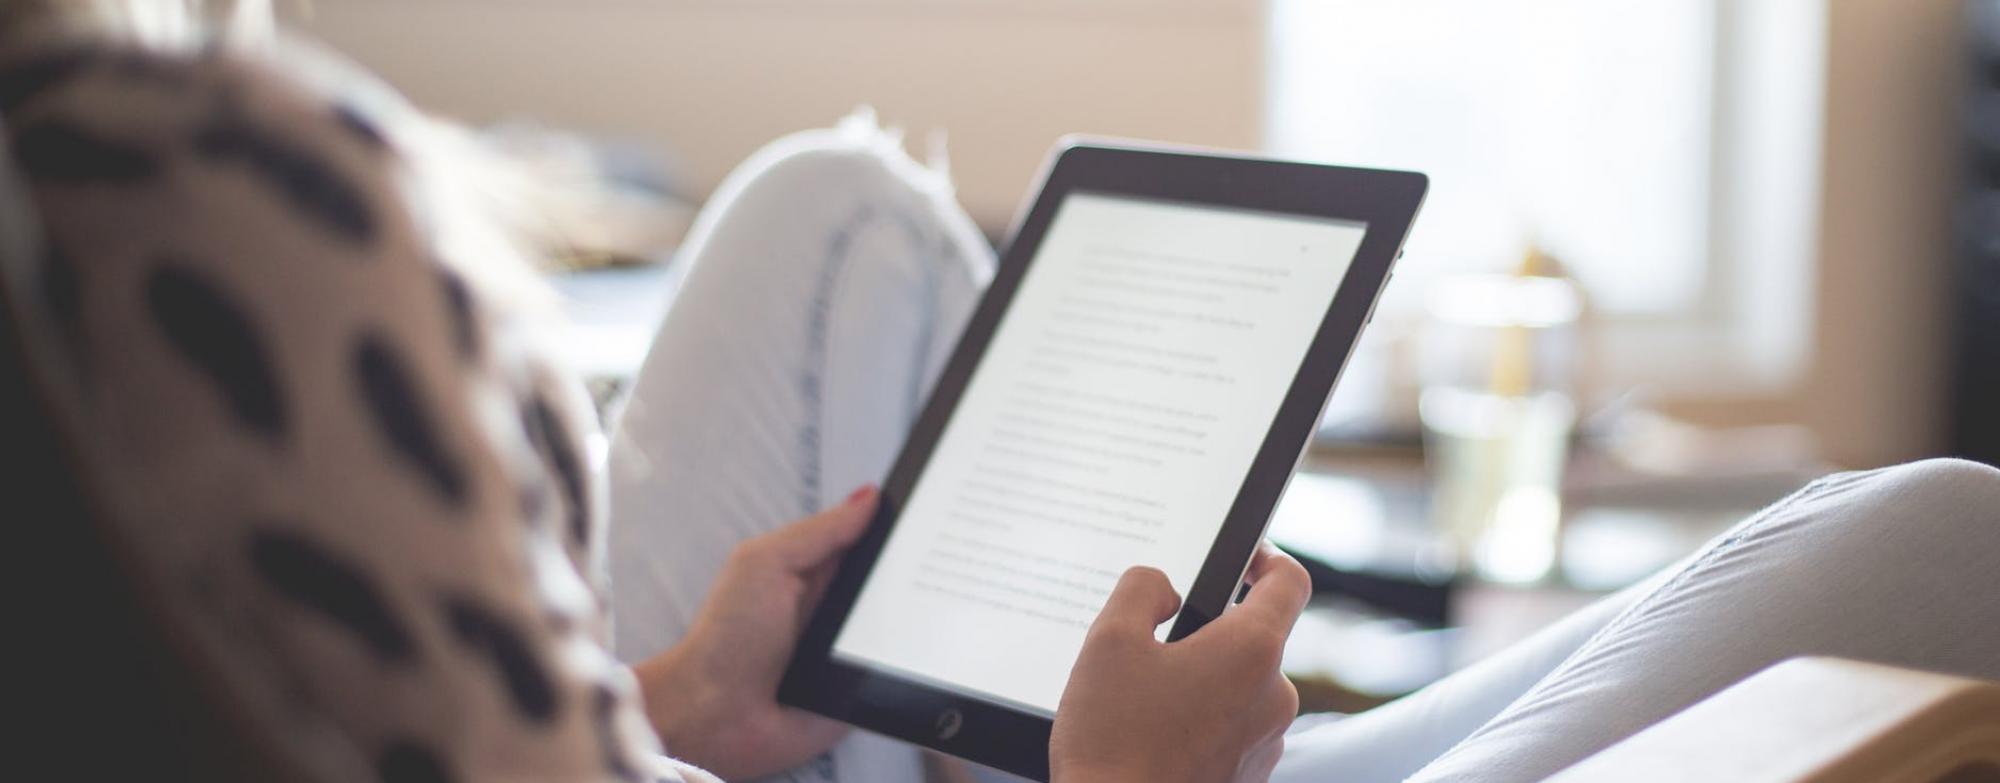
pixel 1110 423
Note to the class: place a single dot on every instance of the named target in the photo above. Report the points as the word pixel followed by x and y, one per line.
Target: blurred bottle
pixel 1498 404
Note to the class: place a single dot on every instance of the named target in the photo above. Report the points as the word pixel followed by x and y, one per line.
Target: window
pixel 1664 149
pixel 1583 124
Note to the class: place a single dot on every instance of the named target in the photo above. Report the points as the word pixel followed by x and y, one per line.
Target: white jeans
pixel 827 280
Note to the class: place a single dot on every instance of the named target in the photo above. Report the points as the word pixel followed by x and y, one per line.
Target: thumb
pixel 1142 600
pixel 1279 590
pixel 817 538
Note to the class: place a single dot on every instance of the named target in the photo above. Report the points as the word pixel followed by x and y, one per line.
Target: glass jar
pixel 1497 363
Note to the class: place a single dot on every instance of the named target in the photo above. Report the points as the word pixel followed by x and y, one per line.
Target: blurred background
pixel 1680 256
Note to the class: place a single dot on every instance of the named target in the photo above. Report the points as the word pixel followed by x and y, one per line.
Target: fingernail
pixel 860 493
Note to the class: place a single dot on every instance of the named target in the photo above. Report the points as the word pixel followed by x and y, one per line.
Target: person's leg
pixel 1393 741
pixel 1832 570
pixel 826 281
pixel 1898 566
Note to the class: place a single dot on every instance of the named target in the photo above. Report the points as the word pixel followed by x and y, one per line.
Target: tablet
pixel 1136 388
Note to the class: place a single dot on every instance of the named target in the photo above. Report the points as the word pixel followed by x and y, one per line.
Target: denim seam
pixel 1675 586
pixel 920 387
pixel 812 379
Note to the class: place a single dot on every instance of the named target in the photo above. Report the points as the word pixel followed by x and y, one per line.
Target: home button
pixel 948 723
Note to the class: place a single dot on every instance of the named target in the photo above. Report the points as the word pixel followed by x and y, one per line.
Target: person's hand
pixel 713 697
pixel 1210 707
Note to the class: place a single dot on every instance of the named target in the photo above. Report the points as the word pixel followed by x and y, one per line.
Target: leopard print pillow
pixel 351 472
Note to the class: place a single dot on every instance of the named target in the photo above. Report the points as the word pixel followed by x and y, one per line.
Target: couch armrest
pixel 1818 720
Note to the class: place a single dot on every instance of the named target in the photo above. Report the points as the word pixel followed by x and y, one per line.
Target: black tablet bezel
pixel 1006 737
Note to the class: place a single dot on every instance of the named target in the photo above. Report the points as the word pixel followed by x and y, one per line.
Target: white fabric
pixel 1899 565
pixel 826 281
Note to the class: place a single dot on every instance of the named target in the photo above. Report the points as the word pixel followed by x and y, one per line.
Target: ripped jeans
pixel 826 283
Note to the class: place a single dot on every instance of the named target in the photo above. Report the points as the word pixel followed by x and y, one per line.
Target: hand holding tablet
pixel 1135 389
pixel 709 697
pixel 1116 712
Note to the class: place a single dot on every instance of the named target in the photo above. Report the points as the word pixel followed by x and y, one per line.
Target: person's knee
pixel 854 162
pixel 1943 479
pixel 849 190
pixel 1928 504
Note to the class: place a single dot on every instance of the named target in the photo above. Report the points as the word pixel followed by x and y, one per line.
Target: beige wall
pixel 683 73
pixel 1875 392
pixel 714 79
